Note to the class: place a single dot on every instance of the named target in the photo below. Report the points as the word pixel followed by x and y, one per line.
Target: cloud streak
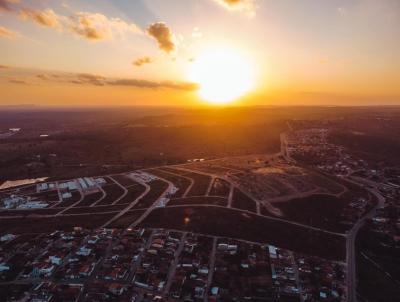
pixel 142 61
pixel 163 35
pixel 46 18
pixel 86 25
pixel 98 80
pixel 7 33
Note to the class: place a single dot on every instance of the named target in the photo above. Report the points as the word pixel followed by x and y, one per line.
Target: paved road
pixel 351 250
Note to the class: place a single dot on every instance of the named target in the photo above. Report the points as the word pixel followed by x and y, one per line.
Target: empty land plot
pixel 113 192
pixel 76 196
pixel 124 180
pixel 254 184
pixel 96 209
pixel 243 202
pixel 90 199
pixel 220 187
pixel 127 219
pixel 157 188
pixel 201 181
pixel 220 201
pixel 133 193
pixel 181 183
pixel 325 183
pixel 322 211
pixel 209 168
pixel 217 221
pixel 47 225
pixel 10 213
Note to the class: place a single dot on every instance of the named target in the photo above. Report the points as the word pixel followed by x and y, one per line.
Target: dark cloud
pixel 42 76
pixel 153 85
pixel 163 35
pixel 86 78
pixel 141 61
pixel 7 4
pixel 18 81
pixel 97 80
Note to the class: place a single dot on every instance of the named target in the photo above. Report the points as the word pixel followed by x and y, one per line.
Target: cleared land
pixel 201 181
pixel 220 187
pixel 199 200
pixel 90 199
pixel 218 222
pixel 113 192
pixel 181 183
pixel 243 202
pixel 157 187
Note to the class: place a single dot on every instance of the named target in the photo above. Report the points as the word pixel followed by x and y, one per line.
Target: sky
pixel 142 52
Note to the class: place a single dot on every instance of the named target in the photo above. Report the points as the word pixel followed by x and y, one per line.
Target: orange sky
pixel 121 52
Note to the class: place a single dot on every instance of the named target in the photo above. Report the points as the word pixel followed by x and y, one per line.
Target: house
pixel 84 251
pixel 7 237
pixel 116 289
pixel 4 267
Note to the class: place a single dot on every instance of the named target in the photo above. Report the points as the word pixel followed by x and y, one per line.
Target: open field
pixel 218 222
pixel 201 181
pixel 181 183
pixel 133 193
pixel 90 199
pixel 157 187
pixel 220 187
pixel 127 219
pixel 323 211
pixel 242 201
pixel 39 225
pixel 95 209
pixel 199 200
pixel 113 192
pixel 45 211
pixel 124 180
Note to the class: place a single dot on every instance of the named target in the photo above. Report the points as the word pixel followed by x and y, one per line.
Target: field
pixel 90 199
pixel 44 211
pixel 220 187
pixel 323 211
pixel 218 222
pixel 243 202
pixel 127 219
pixel 201 181
pixel 38 225
pixel 199 200
pixel 157 187
pixel 96 209
pixel 113 192
pixel 181 183
pixel 124 180
pixel 133 193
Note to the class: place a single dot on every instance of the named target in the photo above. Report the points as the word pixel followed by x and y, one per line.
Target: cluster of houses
pixel 160 265
pixel 321 280
pixel 21 202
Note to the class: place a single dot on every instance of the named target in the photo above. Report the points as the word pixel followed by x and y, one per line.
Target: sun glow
pixel 223 76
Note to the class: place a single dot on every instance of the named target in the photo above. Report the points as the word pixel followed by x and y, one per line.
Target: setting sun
pixel 223 76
